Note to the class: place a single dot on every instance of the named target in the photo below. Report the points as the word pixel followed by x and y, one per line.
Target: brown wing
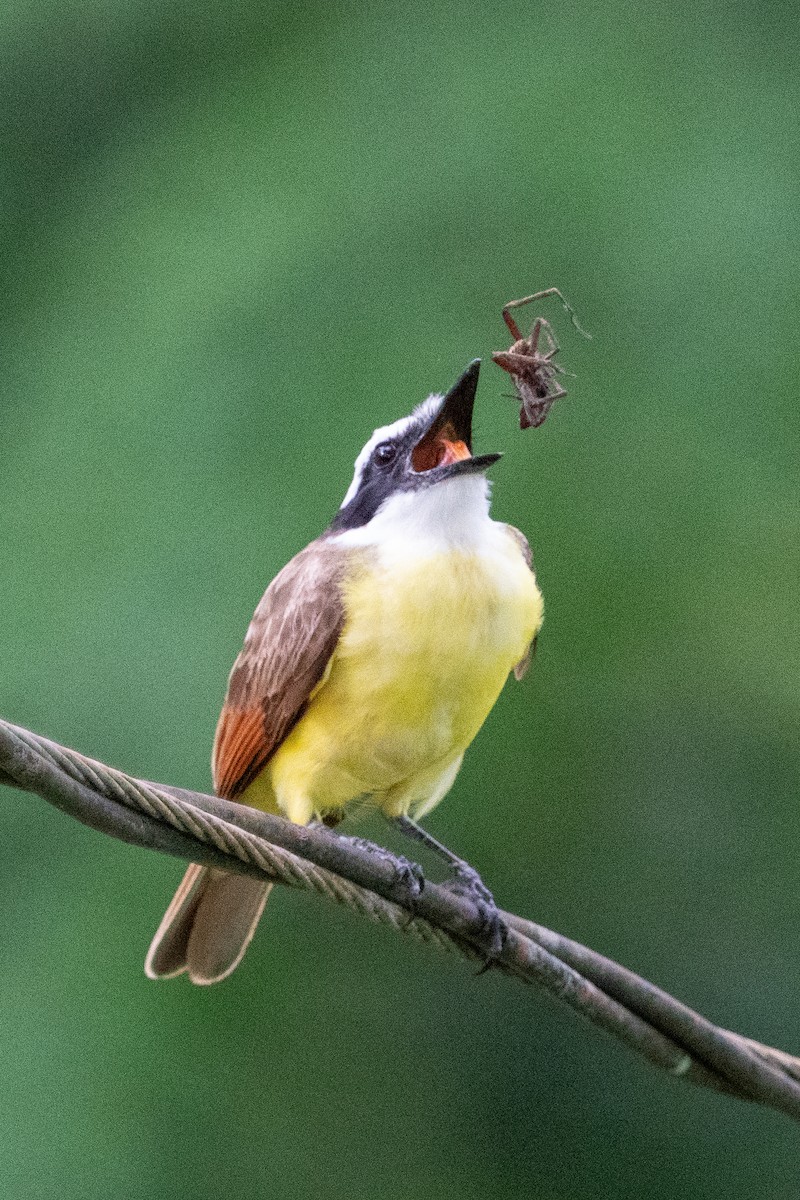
pixel 521 669
pixel 286 653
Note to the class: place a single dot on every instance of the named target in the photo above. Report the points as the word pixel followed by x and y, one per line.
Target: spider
pixel 533 371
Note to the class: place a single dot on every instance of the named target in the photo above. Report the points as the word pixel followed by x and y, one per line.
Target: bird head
pixel 418 452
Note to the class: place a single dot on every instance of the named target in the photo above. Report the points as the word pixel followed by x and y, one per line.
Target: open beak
pixel 448 440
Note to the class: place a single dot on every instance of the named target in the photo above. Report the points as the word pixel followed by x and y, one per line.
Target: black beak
pixel 453 422
pixel 456 408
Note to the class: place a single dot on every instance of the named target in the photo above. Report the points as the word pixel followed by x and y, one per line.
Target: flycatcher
pixel 370 664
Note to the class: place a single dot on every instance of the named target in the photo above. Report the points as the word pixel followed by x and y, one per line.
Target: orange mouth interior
pixel 439 450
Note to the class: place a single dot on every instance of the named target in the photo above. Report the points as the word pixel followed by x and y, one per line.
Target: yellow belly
pixel 426 648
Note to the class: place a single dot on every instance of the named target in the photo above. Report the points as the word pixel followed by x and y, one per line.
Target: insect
pixel 532 368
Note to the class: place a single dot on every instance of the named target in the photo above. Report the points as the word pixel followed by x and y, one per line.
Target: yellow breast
pixel 428 643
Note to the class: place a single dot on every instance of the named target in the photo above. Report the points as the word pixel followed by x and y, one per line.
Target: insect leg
pixel 542 296
pixel 552 343
pixel 513 327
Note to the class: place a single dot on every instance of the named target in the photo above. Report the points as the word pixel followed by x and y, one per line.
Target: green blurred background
pixel 235 238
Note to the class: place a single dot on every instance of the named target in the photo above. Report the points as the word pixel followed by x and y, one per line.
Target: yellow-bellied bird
pixel 370 664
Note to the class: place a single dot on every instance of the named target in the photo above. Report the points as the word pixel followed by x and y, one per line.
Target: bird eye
pixel 384 453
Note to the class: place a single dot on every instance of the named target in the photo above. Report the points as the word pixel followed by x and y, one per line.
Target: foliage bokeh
pixel 235 239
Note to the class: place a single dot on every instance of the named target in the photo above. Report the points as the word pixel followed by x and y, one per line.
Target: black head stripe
pixel 378 483
pixel 381 479
pixel 383 475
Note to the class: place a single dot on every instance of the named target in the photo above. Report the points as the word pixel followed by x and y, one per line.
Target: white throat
pixel 453 513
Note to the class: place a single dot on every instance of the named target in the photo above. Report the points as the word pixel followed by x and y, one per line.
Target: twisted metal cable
pixel 206 829
pixel 279 865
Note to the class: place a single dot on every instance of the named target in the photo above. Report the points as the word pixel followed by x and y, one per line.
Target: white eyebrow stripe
pixel 424 411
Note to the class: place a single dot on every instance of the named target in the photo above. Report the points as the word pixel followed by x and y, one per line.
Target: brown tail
pixel 207 927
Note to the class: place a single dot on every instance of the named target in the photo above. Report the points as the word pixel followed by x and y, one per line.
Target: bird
pixel 370 664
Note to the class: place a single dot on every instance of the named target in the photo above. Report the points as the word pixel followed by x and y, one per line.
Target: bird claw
pixel 492 930
pixel 407 873
pixel 493 933
pixel 467 881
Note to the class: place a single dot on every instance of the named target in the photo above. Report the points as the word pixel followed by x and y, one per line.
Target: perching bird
pixel 369 666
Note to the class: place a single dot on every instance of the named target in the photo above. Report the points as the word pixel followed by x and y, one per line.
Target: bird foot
pixel 468 882
pixel 407 873
pixel 492 930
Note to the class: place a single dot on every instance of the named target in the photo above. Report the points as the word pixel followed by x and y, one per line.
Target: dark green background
pixel 234 239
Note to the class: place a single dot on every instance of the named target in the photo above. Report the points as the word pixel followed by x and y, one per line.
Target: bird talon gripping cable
pixel 369 666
